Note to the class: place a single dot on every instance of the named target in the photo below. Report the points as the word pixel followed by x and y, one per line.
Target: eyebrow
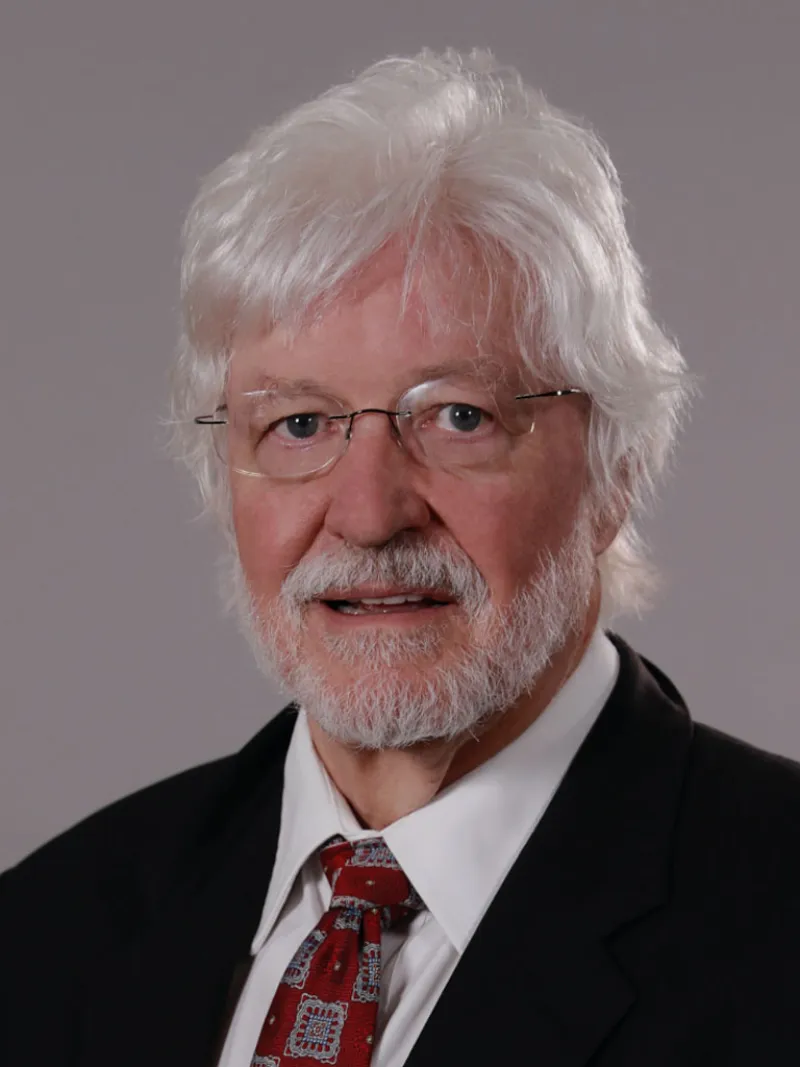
pixel 474 366
pixel 263 382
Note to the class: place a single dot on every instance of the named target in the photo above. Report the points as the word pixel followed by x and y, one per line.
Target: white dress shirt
pixel 456 851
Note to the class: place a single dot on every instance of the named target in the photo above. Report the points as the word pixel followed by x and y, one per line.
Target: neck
pixel 383 785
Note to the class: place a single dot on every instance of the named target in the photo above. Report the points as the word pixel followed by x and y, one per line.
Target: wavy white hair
pixel 431 150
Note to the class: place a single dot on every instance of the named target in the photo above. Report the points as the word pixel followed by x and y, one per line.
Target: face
pixel 503 559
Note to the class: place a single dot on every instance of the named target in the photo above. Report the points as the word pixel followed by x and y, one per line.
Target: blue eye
pixel 301 426
pixel 464 417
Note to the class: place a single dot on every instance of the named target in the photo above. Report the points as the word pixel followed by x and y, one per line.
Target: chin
pixel 391 705
pixel 393 710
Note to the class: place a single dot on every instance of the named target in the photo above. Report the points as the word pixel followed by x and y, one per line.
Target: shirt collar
pixel 458 848
pixel 312 811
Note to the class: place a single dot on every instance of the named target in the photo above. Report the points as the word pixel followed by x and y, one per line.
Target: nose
pixel 375 491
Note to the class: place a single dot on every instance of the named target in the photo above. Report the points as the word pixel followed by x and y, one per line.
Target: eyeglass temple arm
pixel 552 392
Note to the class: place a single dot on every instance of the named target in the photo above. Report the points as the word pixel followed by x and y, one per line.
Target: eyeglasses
pixel 285 433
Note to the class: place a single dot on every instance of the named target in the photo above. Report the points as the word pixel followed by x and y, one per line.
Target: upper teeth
pixel 410 598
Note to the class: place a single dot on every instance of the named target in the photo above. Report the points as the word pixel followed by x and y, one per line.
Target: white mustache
pixel 413 564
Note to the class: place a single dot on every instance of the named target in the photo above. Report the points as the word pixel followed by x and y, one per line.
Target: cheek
pixel 505 525
pixel 272 535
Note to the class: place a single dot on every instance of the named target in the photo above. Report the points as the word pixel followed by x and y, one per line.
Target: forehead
pixel 382 332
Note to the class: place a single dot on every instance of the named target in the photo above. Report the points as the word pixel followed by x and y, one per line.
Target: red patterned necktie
pixel 326 1005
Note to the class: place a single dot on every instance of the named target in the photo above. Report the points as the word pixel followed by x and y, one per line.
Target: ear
pixel 606 527
pixel 611 515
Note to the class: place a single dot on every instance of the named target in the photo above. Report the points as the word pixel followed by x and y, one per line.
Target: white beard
pixel 390 705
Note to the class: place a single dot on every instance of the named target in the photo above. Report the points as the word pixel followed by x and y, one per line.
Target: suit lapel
pixel 538 982
pixel 165 999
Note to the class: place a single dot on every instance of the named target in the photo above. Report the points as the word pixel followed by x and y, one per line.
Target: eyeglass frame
pixel 212 420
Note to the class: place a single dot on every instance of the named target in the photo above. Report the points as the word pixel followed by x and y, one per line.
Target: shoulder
pixel 742 786
pixel 741 811
pixel 736 834
pixel 734 860
pixel 728 784
pixel 111 869
pixel 86 898
pixel 107 864
pixel 74 902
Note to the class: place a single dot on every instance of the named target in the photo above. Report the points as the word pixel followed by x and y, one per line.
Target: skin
pixel 362 351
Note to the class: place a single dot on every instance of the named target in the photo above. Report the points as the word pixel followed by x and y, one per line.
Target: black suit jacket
pixel 652 920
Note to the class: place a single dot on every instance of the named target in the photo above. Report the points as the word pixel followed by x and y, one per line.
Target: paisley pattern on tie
pixel 326 1005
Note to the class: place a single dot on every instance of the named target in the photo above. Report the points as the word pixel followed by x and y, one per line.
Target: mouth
pixel 386 604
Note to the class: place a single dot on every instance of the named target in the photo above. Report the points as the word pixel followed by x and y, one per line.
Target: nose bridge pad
pixel 394 422
pixel 390 415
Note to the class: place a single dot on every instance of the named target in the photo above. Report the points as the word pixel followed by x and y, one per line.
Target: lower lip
pixel 392 615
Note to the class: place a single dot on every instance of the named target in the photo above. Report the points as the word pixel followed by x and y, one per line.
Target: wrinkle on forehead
pixel 444 286
pixel 484 371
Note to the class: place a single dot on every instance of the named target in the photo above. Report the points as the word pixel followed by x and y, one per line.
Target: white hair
pixel 434 149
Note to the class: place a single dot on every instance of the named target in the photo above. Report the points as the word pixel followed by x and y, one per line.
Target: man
pixel 420 386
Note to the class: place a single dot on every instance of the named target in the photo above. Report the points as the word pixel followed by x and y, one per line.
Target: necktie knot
pixel 365 875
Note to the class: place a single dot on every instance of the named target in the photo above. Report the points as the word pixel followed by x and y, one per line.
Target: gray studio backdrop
pixel 116 667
